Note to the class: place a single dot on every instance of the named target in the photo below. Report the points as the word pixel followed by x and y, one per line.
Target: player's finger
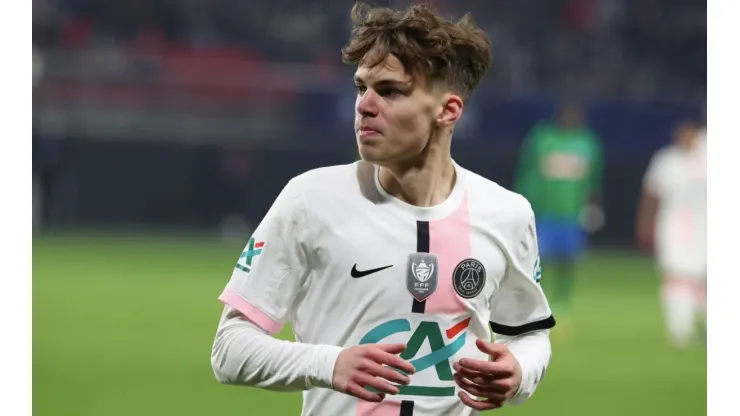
pixel 387 373
pixel 504 385
pixel 380 385
pixel 476 379
pixel 472 388
pixel 475 376
pixel 392 348
pixel 498 369
pixel 476 404
pixel 364 394
pixel 492 390
pixel 394 361
pixel 491 348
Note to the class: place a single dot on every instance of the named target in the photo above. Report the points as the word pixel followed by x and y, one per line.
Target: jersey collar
pixel 434 213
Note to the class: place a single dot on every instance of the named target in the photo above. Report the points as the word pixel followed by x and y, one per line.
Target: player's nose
pixel 367 104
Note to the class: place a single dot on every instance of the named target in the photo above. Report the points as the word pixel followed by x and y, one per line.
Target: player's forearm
pixel 243 354
pixel 533 351
pixel 646 213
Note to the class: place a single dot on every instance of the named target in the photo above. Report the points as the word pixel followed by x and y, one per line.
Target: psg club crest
pixel 422 275
pixel 469 278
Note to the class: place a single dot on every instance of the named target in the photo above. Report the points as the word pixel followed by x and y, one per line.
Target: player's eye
pixel 390 92
pixel 360 89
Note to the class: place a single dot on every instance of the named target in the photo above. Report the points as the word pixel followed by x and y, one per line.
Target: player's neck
pixel 424 182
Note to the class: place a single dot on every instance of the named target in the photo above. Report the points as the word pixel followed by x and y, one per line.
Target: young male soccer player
pixel 673 214
pixel 394 271
pixel 560 173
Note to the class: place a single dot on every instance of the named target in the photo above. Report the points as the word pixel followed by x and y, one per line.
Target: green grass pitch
pixel 124 326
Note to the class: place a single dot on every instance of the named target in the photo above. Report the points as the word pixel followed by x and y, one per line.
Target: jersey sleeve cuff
pixel 526 388
pixel 256 316
pixel 532 352
pixel 321 372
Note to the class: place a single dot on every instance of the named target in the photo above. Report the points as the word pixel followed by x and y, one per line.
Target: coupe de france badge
pixel 469 278
pixel 422 275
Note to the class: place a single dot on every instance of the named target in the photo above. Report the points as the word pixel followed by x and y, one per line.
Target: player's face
pixel 395 114
pixel 686 135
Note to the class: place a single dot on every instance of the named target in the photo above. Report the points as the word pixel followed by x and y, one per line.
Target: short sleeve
pixel 270 271
pixel 519 305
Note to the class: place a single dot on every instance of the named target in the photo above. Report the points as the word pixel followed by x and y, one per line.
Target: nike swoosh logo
pixel 362 273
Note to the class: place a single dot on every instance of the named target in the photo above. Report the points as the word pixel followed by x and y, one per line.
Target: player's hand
pixel 366 366
pixel 493 381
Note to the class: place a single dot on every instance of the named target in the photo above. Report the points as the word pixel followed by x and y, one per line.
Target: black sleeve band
pixel 546 323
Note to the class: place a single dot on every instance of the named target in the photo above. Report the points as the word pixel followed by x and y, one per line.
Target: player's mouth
pixel 367 131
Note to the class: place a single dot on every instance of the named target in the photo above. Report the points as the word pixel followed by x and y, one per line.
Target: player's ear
pixel 452 107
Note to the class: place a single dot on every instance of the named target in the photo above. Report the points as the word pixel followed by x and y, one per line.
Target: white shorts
pixel 681 247
pixel 686 261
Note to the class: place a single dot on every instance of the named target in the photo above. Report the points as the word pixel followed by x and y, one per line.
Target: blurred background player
pixel 560 173
pixel 672 220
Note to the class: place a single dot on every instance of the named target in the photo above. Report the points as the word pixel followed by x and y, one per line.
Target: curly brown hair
pixel 428 46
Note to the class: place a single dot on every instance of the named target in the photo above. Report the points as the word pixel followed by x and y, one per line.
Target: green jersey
pixel 559 170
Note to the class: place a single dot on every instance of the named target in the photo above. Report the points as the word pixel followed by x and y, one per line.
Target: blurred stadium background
pixel 164 129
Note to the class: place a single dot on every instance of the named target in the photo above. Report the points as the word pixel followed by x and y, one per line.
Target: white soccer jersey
pixel 679 179
pixel 344 263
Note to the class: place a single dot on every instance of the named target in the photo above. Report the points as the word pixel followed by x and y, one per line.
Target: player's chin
pixel 369 139
pixel 372 151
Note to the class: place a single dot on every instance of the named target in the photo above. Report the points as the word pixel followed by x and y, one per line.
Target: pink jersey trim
pixel 384 408
pixel 255 315
pixel 449 239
